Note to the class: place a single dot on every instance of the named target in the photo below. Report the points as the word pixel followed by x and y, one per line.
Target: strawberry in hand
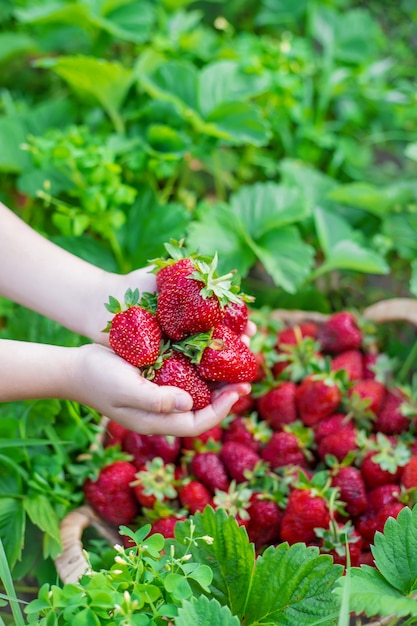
pixel 134 333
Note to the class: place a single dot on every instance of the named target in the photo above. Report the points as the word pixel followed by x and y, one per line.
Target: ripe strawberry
pixel 114 434
pixel 294 334
pixel 208 467
pixel 244 405
pixel 296 353
pixel 379 468
pixel 167 447
pixel 238 460
pixel 352 490
pixel 144 448
pixel 333 541
pixel 332 424
pixel 165 526
pixel 236 316
pixel 379 496
pixel 391 420
pixel 111 495
pixel 389 510
pixel 154 483
pixel 338 444
pixel 227 358
pixel 172 267
pixel 248 430
pixel 194 302
pixel 304 513
pixel 277 406
pixel 194 496
pixel 409 474
pixel 176 369
pixel 201 441
pixel 316 398
pixel 371 391
pixel 283 448
pixel 265 518
pixel 351 361
pixel 340 332
pixel 134 333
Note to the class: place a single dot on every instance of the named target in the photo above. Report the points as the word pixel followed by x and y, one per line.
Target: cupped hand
pixel 102 380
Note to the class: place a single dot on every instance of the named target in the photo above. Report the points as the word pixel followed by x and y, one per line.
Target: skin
pixel 49 280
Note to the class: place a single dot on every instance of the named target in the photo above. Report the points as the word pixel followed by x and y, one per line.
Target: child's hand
pixel 102 380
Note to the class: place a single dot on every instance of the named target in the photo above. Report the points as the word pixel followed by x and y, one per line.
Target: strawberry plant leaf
pixel 229 554
pixel 201 610
pixel 175 81
pixel 44 516
pixel 11 534
pixel 238 123
pixel 131 21
pixel 394 551
pixel 371 593
pixel 292 585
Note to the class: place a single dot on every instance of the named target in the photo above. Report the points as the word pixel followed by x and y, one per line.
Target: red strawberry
pixel 172 267
pixel 207 467
pixel 334 539
pixel 200 441
pixel 144 448
pixel 248 430
pixel 177 370
pixel 154 483
pixel 244 405
pixel 390 418
pixel 114 434
pixel 134 333
pixel 379 496
pixel 304 513
pixel 352 490
pixel 340 332
pixel 389 510
pixel 293 334
pixel 227 358
pixel 351 361
pixel 283 448
pixel 111 495
pixel 167 447
pixel 193 303
pixel 165 526
pixel 372 391
pixel 317 398
pixel 277 406
pixel 409 474
pixel 194 496
pixel 374 472
pixel 332 424
pixel 236 316
pixel 264 520
pixel 338 444
pixel 238 459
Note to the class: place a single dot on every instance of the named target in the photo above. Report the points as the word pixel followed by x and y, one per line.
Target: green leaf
pixel 132 21
pixel 401 230
pixel 203 574
pixel 105 81
pixel 176 81
pixel 7 583
pixel 371 594
pixel 13 44
pixel 225 81
pixel 230 556
pixel 44 515
pixel 312 184
pixel 149 225
pixel 394 551
pixel 13 133
pixel 11 534
pixel 238 122
pixel 376 200
pixel 74 13
pixel 292 585
pixel 267 206
pixel 411 151
pixel 215 230
pixel 201 611
pixel 286 257
pixel 178 586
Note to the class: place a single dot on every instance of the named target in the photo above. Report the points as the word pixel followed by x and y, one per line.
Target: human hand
pixel 104 381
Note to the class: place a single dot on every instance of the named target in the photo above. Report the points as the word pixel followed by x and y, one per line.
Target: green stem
pixel 405 369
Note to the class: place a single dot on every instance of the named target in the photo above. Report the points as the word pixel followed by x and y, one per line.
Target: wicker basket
pixel 72 563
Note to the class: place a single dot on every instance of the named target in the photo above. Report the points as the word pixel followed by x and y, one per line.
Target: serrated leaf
pixel 202 611
pixel 11 534
pixel 225 81
pixel 131 21
pixel 44 516
pixel 175 81
pixel 286 257
pixel 371 594
pixel 376 200
pixel 238 123
pixel 267 206
pixel 395 549
pixel 292 585
pixel 230 556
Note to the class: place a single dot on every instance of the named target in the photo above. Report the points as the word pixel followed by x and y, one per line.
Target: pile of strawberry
pixel 323 451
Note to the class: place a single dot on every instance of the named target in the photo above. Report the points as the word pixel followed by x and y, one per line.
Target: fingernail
pixel 182 402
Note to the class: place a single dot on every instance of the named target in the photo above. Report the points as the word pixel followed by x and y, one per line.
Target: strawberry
pixel 304 513
pixel 391 420
pixel 176 369
pixel 111 495
pixel 339 444
pixel 134 333
pixel 114 434
pixel 144 448
pixel 265 518
pixel 333 541
pixel 297 355
pixel 284 448
pixel 208 467
pixel 389 510
pixel 317 397
pixel 352 490
pixel 194 496
pixel 244 405
pixel 340 332
pixel 379 496
pixel 201 441
pixel 236 316
pixel 238 460
pixel 154 482
pixel 194 302
pixel 384 461
pixel 294 334
pixel 332 424
pixel 226 358
pixel 165 526
pixel 173 268
pixel 351 361
pixel 409 474
pixel 248 430
pixel 370 391
pixel 277 406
